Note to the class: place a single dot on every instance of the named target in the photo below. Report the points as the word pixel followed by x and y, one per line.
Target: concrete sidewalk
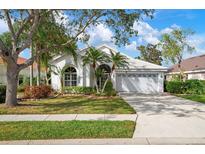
pixel 68 117
pixel 123 141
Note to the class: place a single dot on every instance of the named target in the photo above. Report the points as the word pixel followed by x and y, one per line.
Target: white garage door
pixel 139 83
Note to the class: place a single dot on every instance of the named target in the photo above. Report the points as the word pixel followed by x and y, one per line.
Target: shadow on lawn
pixel 79 104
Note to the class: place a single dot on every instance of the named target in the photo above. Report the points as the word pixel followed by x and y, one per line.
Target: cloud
pixel 132 46
pixel 100 33
pixel 3 26
pixel 197 41
pixel 148 34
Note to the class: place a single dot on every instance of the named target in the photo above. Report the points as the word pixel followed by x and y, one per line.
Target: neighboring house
pixel 140 77
pixel 24 72
pixel 192 68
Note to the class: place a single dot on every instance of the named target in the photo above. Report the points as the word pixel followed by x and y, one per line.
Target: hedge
pixel 185 87
pixel 78 90
pixel 2 93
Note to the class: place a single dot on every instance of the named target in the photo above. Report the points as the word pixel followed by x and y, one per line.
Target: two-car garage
pixel 145 82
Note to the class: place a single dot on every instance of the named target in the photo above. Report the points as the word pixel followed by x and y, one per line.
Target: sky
pixel 150 31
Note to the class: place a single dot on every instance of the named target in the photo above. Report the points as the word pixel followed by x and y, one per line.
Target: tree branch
pixel 10 26
pixel 36 19
pixel 24 23
pixel 32 59
pixel 80 31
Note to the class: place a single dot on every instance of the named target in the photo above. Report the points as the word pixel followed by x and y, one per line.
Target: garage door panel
pixel 140 83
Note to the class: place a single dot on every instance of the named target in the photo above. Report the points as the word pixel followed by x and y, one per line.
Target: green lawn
pixel 197 98
pixel 71 105
pixel 65 130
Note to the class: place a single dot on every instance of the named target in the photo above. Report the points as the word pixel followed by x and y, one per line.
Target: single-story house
pixel 139 77
pixel 192 68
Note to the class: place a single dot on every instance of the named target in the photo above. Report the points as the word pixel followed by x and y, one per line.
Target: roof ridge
pixel 195 57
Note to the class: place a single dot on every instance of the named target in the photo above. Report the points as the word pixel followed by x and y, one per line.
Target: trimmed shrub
pixel 174 87
pixel 185 87
pixel 109 90
pixel 78 90
pixel 36 92
pixel 2 93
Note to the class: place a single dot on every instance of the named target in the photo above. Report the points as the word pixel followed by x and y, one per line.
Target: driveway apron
pixel 167 116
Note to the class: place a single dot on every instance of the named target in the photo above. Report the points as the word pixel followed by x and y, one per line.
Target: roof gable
pixel 133 63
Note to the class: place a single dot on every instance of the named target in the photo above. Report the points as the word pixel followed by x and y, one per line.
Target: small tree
pixel 117 60
pixel 94 57
pixel 174 45
pixel 150 53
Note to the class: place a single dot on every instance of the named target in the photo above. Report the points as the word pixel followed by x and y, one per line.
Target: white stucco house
pixel 140 77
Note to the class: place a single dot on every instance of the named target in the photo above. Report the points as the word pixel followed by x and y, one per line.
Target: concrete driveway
pixel 167 116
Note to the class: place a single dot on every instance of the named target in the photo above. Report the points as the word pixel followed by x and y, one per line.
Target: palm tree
pixel 45 58
pixel 118 60
pixel 94 56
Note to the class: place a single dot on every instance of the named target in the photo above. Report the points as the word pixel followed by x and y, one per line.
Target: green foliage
pixel 109 90
pixel 2 93
pixel 194 87
pixel 175 44
pixel 185 87
pixel 174 87
pixel 6 38
pixel 118 60
pixel 150 53
pixel 78 90
pixel 94 56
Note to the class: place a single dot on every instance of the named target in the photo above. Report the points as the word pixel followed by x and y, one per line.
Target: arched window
pixel 70 77
pixel 103 76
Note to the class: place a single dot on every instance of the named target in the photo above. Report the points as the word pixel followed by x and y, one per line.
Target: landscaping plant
pixel 36 92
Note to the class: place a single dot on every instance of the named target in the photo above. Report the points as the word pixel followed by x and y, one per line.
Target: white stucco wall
pixel 199 76
pixel 83 72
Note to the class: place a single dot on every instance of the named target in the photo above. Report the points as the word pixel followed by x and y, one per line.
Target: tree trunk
pixel 31 68
pixel 12 82
pixel 46 76
pixel 109 78
pixel 103 89
pixel 38 71
pixel 180 72
pixel 62 88
pixel 95 80
pixel 31 75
